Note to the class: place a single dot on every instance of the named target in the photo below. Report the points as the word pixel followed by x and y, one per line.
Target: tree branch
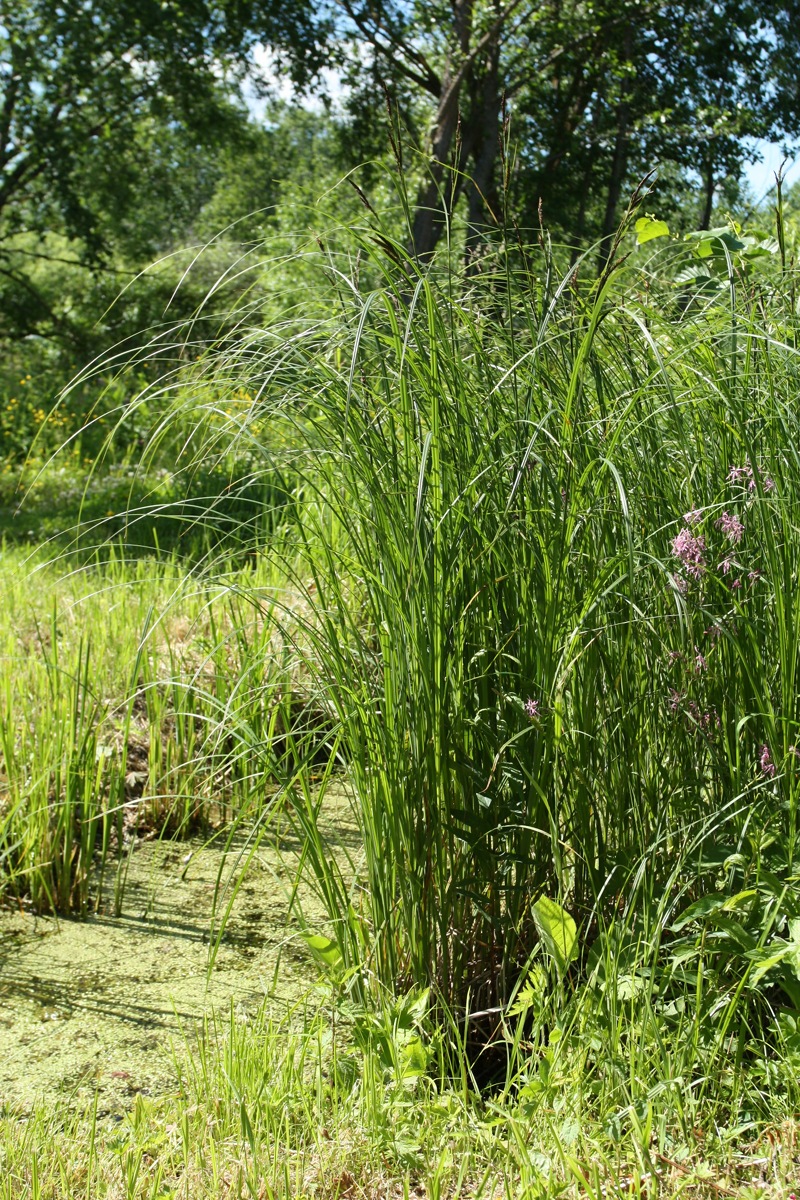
pixel 426 77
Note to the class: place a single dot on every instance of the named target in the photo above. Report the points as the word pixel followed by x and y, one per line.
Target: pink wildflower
pixel 674 656
pixel 693 517
pixel 532 708
pixel 754 576
pixel 703 720
pixel 736 583
pixel 689 550
pixel 737 474
pixel 725 565
pixel 767 765
pixel 675 699
pixel 700 663
pixel 731 526
pixel 745 473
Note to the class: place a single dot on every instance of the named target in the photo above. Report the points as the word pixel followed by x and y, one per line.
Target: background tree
pixel 598 92
pixel 113 114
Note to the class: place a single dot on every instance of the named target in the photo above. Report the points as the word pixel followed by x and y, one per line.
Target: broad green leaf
pixel 707 905
pixel 413 1008
pixel 558 932
pixel 692 274
pixel 712 243
pixel 648 228
pixel 414 1058
pixel 740 898
pixel 770 961
pixel 630 986
pixel 323 948
pixel 736 932
pixel 700 909
pixel 701 281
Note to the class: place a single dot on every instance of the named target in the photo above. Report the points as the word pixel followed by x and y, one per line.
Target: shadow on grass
pixel 65 511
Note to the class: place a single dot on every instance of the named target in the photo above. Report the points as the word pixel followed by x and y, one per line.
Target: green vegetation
pixel 528 593
pixel 281 1109
pixel 399 556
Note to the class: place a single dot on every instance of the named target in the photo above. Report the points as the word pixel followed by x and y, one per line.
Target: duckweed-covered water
pixel 102 1004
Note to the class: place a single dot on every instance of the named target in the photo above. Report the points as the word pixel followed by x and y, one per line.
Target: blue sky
pixel 761 176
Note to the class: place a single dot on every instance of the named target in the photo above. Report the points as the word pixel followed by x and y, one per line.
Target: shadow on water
pixel 100 1003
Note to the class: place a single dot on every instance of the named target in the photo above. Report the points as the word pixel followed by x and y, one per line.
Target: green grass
pixel 534 696
pixel 118 683
pixel 529 584
pixel 306 1108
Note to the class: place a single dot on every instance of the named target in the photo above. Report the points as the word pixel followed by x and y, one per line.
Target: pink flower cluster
pixel 767 765
pixel 689 549
pixel 703 720
pixel 745 474
pixel 532 708
pixel 732 527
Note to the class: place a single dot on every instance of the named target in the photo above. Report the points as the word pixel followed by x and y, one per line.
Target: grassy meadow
pixel 509 557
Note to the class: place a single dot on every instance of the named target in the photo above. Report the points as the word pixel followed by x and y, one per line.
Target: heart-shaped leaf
pixel 648 228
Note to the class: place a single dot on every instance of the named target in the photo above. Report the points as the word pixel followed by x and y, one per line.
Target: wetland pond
pixel 99 1004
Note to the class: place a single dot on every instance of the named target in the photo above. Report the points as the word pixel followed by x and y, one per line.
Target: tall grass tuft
pixel 118 685
pixel 544 548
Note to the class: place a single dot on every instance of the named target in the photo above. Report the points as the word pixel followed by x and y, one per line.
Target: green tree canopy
pixel 84 85
pixel 598 91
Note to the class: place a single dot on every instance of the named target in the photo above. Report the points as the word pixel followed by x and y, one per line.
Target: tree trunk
pixel 429 209
pixel 482 198
pixel 434 200
pixel 619 165
pixel 709 187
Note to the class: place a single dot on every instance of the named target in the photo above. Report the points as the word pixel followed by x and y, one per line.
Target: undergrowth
pixel 528 583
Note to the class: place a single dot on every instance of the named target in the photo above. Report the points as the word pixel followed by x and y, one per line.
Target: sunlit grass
pixel 529 583
pixel 300 1108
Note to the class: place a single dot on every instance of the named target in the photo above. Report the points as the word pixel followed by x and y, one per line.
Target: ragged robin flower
pixel 689 549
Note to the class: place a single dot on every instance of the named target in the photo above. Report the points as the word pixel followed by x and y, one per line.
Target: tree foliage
pixel 124 134
pixel 95 94
pixel 117 120
pixel 597 93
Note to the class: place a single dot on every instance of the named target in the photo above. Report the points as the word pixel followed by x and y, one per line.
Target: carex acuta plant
pixel 541 569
